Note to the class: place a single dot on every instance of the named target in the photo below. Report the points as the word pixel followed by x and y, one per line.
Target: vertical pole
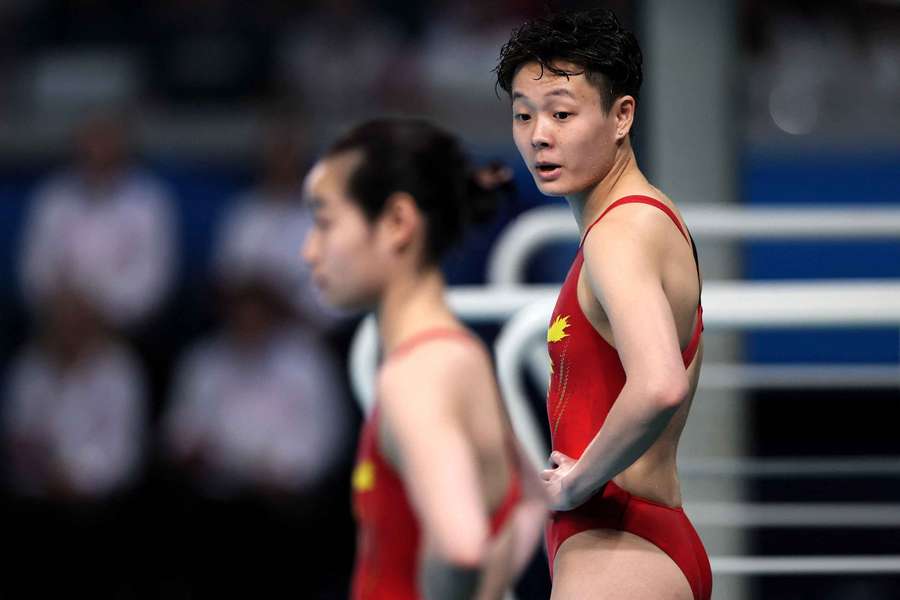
pixel 690 59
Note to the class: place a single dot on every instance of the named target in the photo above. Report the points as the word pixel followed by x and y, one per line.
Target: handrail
pixel 805 565
pixel 742 376
pixel 540 226
pixel 727 305
pixel 811 467
pixel 822 515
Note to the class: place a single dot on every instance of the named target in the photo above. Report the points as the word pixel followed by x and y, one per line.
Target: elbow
pixel 463 556
pixel 463 551
pixel 668 394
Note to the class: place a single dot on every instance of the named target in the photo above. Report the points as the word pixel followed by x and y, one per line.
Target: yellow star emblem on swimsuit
pixel 556 332
pixel 364 476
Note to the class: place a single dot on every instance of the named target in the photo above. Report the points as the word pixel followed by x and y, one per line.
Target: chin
pixel 566 188
pixel 349 302
pixel 344 304
pixel 553 188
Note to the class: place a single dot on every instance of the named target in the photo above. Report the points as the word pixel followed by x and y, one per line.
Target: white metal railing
pixel 726 376
pixel 805 565
pixel 526 311
pixel 792 468
pixel 727 305
pixel 540 226
pixel 742 376
pixel 820 515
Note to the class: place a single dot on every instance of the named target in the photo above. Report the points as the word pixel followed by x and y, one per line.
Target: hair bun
pixel 489 186
pixel 492 176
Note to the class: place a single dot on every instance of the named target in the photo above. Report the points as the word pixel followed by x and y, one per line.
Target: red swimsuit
pixel 387 554
pixel 587 378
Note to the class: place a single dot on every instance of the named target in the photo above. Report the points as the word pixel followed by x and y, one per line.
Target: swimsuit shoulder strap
pixel 428 335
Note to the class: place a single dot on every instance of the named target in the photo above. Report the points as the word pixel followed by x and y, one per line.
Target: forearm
pixel 512 549
pixel 633 424
pixel 506 555
pixel 528 521
pixel 530 516
pixel 440 579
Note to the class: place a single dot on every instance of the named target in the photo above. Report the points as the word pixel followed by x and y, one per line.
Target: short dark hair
pixel 593 40
pixel 415 156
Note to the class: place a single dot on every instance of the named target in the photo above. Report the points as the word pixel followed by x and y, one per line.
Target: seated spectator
pixel 265 227
pixel 106 226
pixel 75 416
pixel 257 408
pixel 339 78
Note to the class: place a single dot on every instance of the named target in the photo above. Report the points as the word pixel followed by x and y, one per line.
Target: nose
pixel 308 248
pixel 540 135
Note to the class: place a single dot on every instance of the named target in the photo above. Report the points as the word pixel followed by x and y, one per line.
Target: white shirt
pixel 275 417
pixel 87 422
pixel 118 249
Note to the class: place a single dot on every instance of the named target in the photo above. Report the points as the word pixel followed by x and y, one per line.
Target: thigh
pixel 604 564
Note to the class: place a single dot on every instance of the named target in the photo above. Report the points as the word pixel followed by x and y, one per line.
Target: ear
pixel 400 220
pixel 623 112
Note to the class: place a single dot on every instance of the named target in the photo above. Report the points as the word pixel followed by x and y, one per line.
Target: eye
pixel 562 115
pixel 522 117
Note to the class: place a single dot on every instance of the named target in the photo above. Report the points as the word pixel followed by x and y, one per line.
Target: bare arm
pixel 436 460
pixel 624 267
pixel 530 515
pixel 514 547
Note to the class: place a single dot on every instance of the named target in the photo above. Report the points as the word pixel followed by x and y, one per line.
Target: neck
pixel 101 178
pixel 412 305
pixel 590 203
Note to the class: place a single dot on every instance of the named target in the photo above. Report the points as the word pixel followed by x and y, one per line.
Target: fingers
pixel 558 458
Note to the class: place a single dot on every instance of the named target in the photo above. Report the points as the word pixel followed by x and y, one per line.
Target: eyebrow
pixel 560 92
pixel 554 92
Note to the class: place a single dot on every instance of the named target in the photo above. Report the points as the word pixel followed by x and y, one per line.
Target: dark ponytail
pixel 414 156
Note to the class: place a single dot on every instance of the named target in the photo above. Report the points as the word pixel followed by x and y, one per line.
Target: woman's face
pixel 565 137
pixel 346 252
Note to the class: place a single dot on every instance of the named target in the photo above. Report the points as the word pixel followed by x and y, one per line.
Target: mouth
pixel 547 171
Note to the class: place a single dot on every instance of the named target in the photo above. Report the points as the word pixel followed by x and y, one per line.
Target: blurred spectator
pixel 258 407
pixel 262 233
pixel 104 227
pixel 461 47
pixel 337 60
pixel 75 415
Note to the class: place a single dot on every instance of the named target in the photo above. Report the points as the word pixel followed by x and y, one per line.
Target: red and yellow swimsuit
pixel 587 378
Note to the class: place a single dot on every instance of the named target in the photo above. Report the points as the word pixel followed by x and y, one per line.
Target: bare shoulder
pixel 432 374
pixel 629 228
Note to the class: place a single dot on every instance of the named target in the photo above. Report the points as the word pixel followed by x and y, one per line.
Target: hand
pixel 556 485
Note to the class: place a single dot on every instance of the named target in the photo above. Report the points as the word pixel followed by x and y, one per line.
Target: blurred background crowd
pixel 176 419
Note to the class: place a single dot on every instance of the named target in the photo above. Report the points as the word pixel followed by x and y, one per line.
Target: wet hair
pixel 593 40
pixel 417 157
